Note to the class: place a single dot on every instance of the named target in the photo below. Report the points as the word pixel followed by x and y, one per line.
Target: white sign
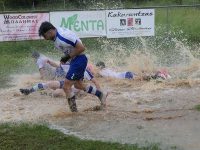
pixel 22 26
pixel 83 23
pixel 130 23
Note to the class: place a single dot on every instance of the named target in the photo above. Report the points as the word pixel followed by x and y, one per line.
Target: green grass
pixel 186 20
pixel 26 136
pixel 169 2
pixel 197 107
pixel 84 5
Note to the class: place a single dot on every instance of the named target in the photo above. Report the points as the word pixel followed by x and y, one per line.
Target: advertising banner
pixel 130 23
pixel 83 23
pixel 22 26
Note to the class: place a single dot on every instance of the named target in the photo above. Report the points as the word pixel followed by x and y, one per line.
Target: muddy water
pixel 137 111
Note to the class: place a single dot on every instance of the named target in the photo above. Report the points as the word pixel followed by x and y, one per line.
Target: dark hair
pixel 101 64
pixel 35 54
pixel 44 27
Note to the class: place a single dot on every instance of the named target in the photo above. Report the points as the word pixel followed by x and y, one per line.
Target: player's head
pixel 35 54
pixel 47 30
pixel 100 64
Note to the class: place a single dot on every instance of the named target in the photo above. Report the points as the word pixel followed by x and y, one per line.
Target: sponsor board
pixel 83 23
pixel 130 23
pixel 22 26
pixel 110 23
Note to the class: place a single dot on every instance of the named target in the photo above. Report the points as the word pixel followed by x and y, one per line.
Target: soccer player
pixel 62 69
pixel 50 69
pixel 72 47
pixel 45 69
pixel 57 85
pixel 107 72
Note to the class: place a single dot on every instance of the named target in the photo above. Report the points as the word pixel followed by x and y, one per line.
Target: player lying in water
pixel 51 70
pixel 54 85
pixel 108 72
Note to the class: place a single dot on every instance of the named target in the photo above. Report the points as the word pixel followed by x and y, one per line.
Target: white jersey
pixel 65 40
pixel 87 74
pixel 106 72
pixel 49 71
pixel 41 61
pixel 65 68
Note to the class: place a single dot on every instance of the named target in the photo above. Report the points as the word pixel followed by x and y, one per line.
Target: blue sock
pixel 32 90
pixel 39 86
pixel 92 90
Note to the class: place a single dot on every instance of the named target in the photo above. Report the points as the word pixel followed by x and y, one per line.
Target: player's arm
pixel 78 49
pixel 42 73
pixel 52 63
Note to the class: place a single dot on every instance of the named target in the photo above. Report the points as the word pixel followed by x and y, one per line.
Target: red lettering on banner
pixel 21 26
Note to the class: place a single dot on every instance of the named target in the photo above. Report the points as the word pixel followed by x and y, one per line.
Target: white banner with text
pixel 110 23
pixel 83 23
pixel 130 23
pixel 21 26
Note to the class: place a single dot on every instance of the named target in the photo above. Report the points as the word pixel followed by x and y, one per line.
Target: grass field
pixel 186 20
pixel 197 107
pixel 29 136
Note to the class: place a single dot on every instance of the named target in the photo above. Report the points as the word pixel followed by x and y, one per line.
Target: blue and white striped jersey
pixel 65 40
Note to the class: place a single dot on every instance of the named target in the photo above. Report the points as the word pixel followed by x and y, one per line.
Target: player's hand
pixel 65 58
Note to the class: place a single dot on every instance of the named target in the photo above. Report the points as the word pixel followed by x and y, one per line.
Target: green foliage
pixel 197 107
pixel 85 4
pixel 168 2
pixel 31 136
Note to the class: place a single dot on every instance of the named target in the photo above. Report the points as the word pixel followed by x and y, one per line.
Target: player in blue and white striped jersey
pixel 67 42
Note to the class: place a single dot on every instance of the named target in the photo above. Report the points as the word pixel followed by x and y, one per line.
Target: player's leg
pixel 43 86
pixel 74 74
pixel 55 84
pixel 96 83
pixel 58 88
pixel 70 95
pixel 89 89
pixel 36 87
pixel 92 90
pixel 58 93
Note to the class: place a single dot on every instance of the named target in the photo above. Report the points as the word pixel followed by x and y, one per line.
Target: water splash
pixel 169 51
